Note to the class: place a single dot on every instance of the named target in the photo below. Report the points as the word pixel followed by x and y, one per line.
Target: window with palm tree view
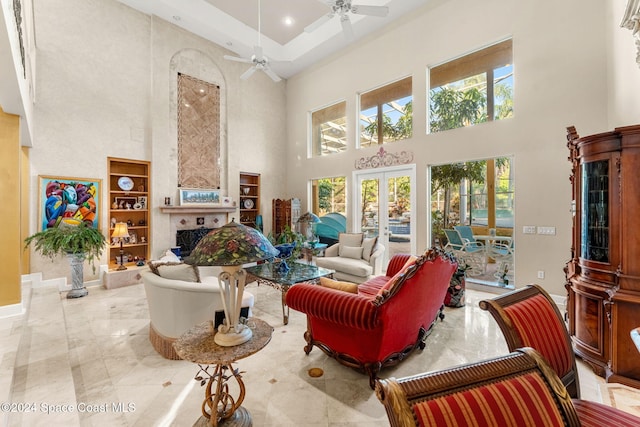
pixel 329 195
pixel 388 108
pixel 475 88
pixel 472 215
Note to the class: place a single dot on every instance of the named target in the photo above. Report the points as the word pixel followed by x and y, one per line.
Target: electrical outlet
pixel 540 274
pixel 548 231
pixel 529 229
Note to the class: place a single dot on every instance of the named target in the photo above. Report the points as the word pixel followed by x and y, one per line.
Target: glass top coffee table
pixel 267 274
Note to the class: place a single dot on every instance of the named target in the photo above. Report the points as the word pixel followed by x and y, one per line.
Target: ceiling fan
pixel 259 61
pixel 343 8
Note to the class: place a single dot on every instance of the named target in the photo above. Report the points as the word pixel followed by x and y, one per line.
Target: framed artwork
pixel 142 201
pixel 125 202
pixel 227 201
pixel 199 197
pixel 72 200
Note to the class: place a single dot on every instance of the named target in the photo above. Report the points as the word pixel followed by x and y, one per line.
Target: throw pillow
pixel 338 285
pixel 367 247
pixel 396 280
pixel 169 256
pixel 350 239
pixel 351 252
pixel 176 271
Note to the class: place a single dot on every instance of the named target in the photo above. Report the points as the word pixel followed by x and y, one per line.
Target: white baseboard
pixel 12 310
pixel 60 282
pixel 37 281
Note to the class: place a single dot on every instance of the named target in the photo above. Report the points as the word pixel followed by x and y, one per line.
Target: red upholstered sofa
pixel 385 320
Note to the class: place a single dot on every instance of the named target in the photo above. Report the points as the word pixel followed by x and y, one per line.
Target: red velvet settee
pixel 385 320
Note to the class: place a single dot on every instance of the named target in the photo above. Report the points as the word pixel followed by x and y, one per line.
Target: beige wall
pixel 10 209
pixel 105 89
pixel 25 208
pixel 560 80
pixel 623 71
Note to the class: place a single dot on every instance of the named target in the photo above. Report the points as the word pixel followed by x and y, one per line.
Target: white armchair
pixel 176 305
pixel 354 258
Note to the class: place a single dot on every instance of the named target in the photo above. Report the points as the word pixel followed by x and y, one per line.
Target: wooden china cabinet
pixel 603 275
pixel 286 213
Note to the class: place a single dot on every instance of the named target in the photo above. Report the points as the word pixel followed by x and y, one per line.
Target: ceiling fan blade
pixel 248 73
pixel 318 23
pixel 269 72
pixel 238 59
pixel 347 29
pixel 370 10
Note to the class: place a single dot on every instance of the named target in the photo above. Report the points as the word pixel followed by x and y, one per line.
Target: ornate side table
pixel 219 407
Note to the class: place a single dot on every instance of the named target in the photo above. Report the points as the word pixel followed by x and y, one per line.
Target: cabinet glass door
pixel 595 211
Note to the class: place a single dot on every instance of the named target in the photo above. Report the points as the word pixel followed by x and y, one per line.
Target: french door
pixel 385 203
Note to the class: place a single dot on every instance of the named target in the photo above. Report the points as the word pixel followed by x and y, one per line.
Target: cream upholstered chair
pixel 354 258
pixel 177 305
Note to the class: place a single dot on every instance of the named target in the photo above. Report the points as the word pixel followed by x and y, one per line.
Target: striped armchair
pixel 528 317
pixel 516 390
pixel 388 317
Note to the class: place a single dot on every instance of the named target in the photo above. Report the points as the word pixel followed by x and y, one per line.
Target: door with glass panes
pixel 384 207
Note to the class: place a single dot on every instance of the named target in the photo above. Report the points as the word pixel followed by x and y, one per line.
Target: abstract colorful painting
pixel 70 200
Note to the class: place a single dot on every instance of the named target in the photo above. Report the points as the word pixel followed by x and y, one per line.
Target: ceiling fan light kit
pixel 343 8
pixel 258 60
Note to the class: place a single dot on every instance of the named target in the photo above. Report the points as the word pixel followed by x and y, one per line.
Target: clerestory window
pixel 386 114
pixel 329 130
pixel 472 89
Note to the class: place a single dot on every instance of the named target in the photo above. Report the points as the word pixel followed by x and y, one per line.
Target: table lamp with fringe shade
pixel 230 247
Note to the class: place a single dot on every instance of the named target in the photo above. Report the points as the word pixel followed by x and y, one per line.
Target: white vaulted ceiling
pixel 234 23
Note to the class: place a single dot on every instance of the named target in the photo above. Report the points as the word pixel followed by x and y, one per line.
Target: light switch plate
pixel 548 231
pixel 529 229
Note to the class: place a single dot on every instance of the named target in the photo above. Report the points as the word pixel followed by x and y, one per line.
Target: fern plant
pixel 80 239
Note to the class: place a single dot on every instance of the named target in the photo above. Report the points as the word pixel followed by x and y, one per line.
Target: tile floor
pixel 88 362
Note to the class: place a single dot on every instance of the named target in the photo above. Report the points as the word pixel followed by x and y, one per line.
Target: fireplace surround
pixel 188 239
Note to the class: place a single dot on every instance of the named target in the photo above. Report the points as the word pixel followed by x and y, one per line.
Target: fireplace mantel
pixel 197 209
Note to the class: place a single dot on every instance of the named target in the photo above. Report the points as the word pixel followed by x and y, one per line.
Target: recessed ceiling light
pixel 288 21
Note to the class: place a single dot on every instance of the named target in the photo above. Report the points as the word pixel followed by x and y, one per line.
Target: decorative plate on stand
pixel 248 204
pixel 125 183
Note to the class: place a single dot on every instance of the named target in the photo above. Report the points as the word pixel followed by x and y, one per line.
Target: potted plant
pixel 79 242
